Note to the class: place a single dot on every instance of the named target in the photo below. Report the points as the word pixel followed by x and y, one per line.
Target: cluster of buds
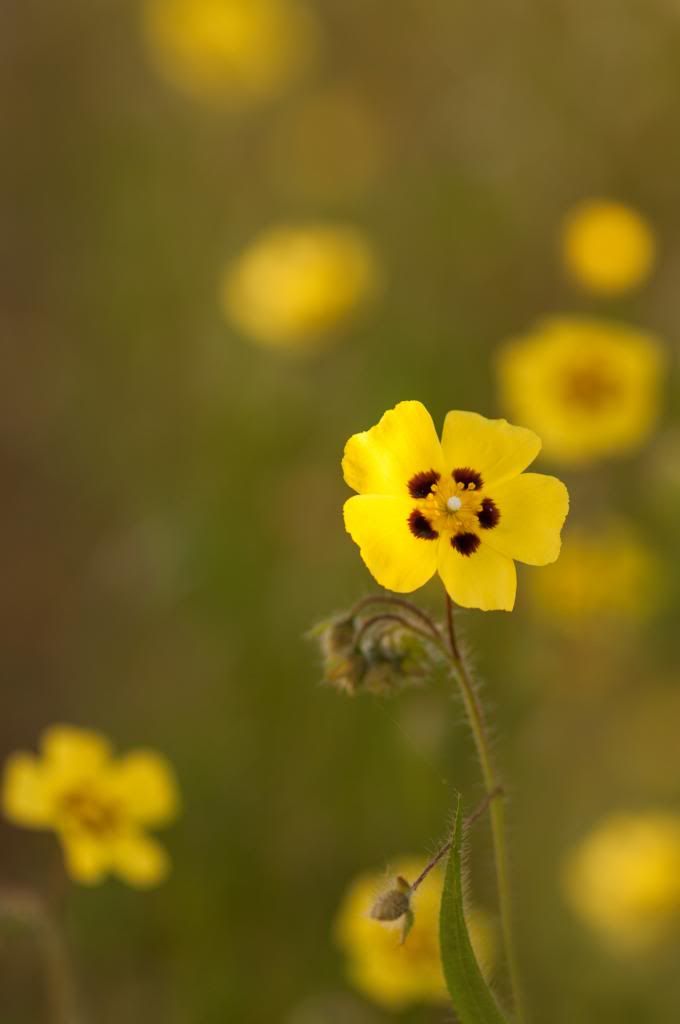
pixel 373 653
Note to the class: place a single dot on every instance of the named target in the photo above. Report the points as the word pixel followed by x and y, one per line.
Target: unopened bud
pixel 337 635
pixel 370 653
pixel 345 673
pixel 394 903
pixel 344 665
pixel 379 678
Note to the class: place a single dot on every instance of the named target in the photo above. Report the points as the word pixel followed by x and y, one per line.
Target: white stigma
pixel 454 503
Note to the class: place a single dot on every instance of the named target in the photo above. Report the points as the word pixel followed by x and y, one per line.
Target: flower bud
pixel 394 903
pixel 344 665
pixel 371 653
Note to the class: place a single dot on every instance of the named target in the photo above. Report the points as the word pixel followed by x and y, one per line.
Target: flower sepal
pixel 373 652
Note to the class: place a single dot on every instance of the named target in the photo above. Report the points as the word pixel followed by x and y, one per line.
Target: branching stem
pixel 494 792
pixel 389 617
pixel 477 723
pixel 399 602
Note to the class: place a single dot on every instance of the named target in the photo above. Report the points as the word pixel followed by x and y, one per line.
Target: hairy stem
pixel 478 727
pixel 470 820
pixel 494 792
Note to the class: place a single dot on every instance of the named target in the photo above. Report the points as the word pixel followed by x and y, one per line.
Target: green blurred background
pixel 171 520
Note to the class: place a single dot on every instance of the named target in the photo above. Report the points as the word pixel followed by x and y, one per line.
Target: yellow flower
pixel 462 507
pixel 230 51
pixel 98 806
pixel 624 879
pixel 294 284
pixel 606 571
pixel 607 247
pixel 395 974
pixel 588 386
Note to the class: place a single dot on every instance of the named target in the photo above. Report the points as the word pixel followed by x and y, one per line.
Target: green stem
pixel 477 723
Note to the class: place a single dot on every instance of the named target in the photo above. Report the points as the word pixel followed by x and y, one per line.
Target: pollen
pixel 468 478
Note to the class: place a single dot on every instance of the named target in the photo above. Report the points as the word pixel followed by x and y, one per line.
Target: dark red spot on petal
pixel 421 484
pixel 465 543
pixel 488 514
pixel 420 526
pixel 466 476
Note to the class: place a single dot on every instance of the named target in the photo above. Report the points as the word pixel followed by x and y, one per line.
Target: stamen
pixel 421 527
pixel 468 477
pixel 488 514
pixel 465 543
pixel 421 484
pixel 454 503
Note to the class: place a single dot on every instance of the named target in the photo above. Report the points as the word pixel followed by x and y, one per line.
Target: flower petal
pixel 397 559
pixel 590 387
pixel 485 579
pixel 144 782
pixel 532 508
pixel 88 858
pixel 140 860
pixel 495 448
pixel 383 459
pixel 72 754
pixel 25 793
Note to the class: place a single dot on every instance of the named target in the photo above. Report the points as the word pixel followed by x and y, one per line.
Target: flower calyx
pixel 373 651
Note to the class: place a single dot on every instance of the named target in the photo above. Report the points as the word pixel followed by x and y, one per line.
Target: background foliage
pixel 170 525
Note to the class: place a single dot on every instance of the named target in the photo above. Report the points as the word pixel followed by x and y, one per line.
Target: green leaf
pixel 409 921
pixel 472 998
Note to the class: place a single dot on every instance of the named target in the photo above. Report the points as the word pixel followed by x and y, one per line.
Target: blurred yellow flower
pixel 98 806
pixel 607 246
pixel 624 879
pixel 230 51
pixel 591 388
pixel 600 572
pixel 395 974
pixel 294 284
pixel 462 507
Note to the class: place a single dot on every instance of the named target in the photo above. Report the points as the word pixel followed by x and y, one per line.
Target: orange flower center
pixel 453 506
pixel 89 812
pixel 590 387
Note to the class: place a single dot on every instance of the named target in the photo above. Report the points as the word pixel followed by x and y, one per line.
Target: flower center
pixel 453 506
pixel 90 813
pixel 591 387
